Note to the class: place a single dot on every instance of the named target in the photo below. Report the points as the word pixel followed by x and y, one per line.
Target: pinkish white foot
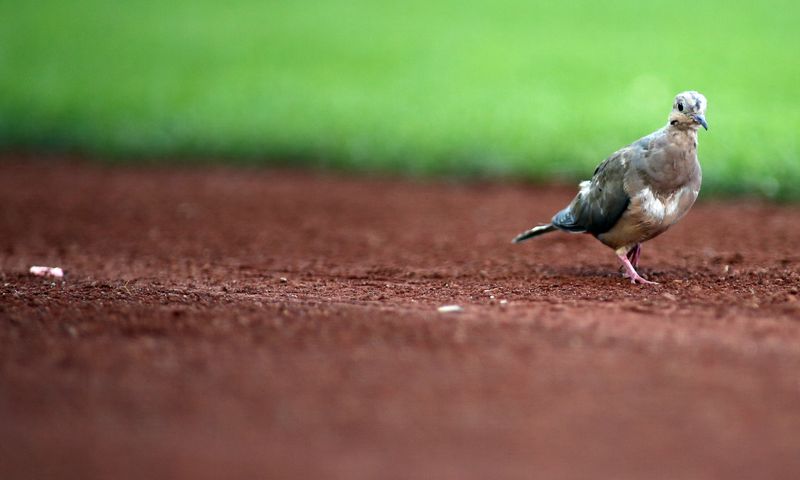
pixel 640 279
pixel 630 272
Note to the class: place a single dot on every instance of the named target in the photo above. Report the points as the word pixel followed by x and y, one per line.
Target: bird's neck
pixel 683 135
pixel 689 129
pixel 676 164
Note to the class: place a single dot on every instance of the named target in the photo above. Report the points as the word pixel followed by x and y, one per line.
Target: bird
pixel 639 191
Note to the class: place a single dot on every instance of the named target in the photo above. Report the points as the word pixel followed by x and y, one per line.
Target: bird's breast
pixel 649 214
pixel 661 209
pixel 658 211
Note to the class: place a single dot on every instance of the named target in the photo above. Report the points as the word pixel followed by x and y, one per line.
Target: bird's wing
pixel 601 200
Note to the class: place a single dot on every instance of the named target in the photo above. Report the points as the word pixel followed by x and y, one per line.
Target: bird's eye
pixel 680 107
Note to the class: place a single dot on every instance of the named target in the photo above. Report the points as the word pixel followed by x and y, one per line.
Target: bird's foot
pixel 638 278
pixel 630 272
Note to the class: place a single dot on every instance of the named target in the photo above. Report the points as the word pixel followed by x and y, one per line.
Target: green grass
pixel 503 88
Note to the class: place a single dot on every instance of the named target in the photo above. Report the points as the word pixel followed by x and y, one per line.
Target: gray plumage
pixel 641 190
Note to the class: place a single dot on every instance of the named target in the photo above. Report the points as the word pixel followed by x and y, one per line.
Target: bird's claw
pixel 643 281
pixel 639 278
pixel 630 272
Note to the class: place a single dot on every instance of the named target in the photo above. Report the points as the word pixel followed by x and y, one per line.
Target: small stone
pixel 450 309
pixel 41 271
pixel 284 279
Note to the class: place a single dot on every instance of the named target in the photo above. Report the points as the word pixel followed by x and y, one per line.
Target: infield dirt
pixel 223 323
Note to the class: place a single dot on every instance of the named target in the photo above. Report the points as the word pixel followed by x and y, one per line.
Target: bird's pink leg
pixel 631 272
pixel 633 254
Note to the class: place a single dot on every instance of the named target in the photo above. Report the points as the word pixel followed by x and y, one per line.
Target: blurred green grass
pixel 507 88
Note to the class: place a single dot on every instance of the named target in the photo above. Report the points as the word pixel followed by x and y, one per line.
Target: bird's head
pixel 689 111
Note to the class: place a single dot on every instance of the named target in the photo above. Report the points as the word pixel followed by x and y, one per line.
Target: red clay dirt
pixel 221 323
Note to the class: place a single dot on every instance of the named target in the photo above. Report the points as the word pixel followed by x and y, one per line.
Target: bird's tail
pixel 534 232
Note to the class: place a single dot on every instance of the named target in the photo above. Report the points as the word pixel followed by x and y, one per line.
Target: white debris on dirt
pixel 40 271
pixel 450 309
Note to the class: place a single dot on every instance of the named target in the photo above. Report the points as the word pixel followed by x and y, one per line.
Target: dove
pixel 639 191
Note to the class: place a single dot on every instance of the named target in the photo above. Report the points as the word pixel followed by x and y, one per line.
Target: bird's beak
pixel 701 120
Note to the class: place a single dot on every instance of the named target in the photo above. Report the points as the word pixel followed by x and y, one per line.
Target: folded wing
pixel 601 200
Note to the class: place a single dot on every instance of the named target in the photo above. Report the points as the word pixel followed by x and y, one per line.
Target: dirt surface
pixel 220 323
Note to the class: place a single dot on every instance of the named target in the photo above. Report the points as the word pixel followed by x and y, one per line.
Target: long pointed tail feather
pixel 534 232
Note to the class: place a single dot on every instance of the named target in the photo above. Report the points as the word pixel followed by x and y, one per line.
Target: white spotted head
pixel 689 111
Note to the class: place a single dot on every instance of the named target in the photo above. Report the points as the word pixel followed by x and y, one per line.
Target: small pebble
pixel 450 309
pixel 40 271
